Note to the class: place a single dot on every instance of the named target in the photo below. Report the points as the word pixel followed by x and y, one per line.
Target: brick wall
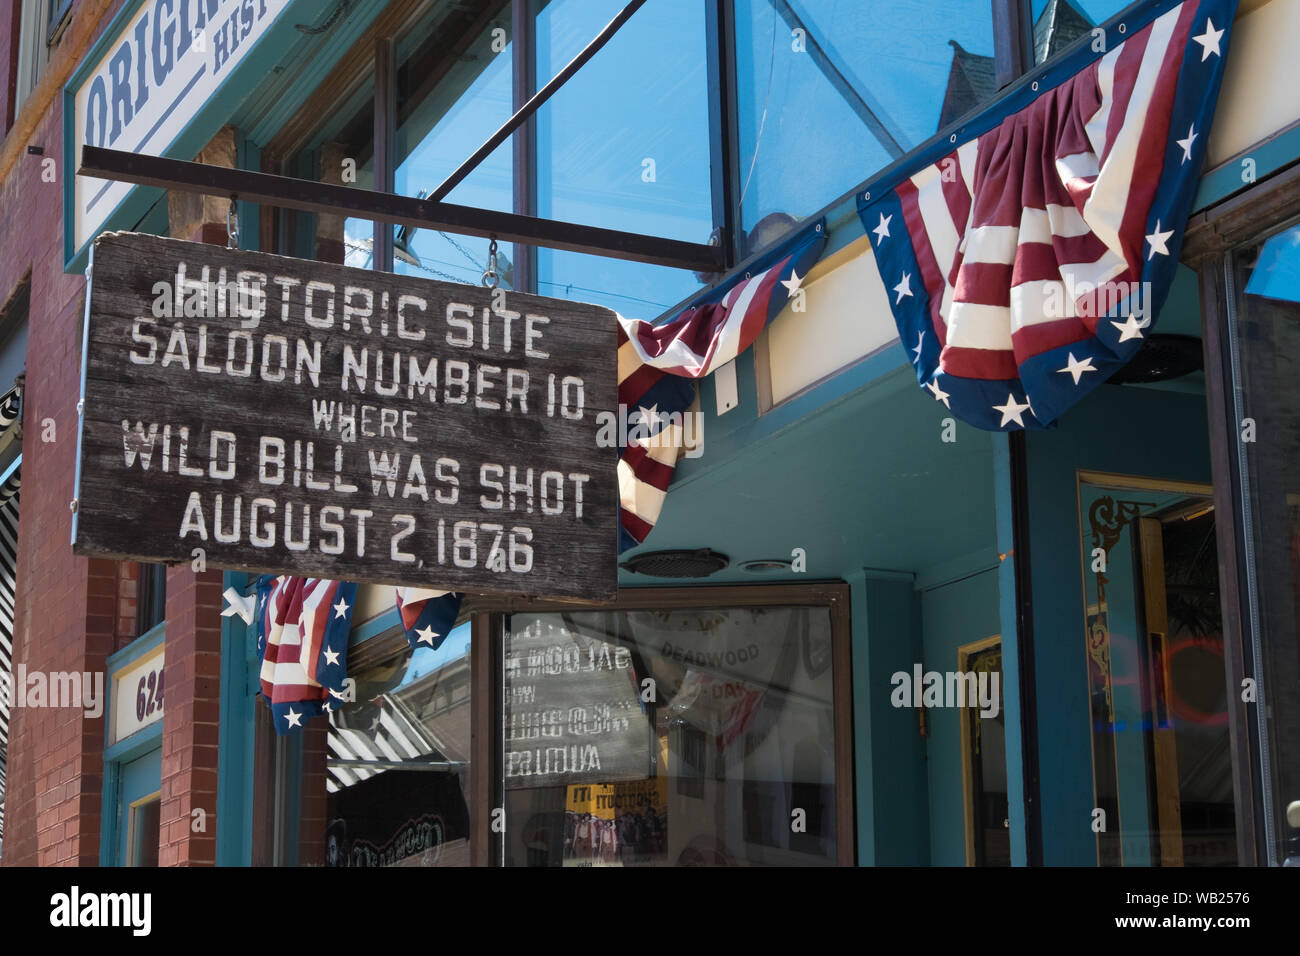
pixel 70 612
pixel 193 631
pixel 192 677
pixel 66 614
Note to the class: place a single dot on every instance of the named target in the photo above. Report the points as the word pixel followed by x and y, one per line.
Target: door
pixel 139 801
pixel 1162 760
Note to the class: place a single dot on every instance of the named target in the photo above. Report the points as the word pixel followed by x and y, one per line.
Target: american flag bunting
pixel 1027 259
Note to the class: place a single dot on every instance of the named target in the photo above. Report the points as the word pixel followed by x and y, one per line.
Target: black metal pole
pixel 385 162
pixel 538 98
pixel 290 193
pixel 525 146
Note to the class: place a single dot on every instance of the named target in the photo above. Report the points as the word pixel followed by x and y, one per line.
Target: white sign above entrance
pixel 137 694
pixel 148 79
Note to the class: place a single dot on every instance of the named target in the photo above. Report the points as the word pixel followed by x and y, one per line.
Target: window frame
pixel 372 59
pixel 488 678
pixel 1212 238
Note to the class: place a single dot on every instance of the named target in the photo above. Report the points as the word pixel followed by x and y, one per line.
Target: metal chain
pixel 492 278
pixel 232 225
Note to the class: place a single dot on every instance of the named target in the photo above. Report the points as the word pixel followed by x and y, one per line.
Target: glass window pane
pixel 831 91
pixel 454 90
pixel 1265 334
pixel 144 833
pixel 670 737
pixel 399 761
pixel 624 145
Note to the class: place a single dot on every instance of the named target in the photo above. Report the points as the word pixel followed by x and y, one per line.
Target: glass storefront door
pixel 1263 299
pixel 1162 758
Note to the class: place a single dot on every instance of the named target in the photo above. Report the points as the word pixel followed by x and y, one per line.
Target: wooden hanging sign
pixel 271 414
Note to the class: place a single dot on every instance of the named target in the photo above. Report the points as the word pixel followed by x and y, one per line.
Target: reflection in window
pixel 1265 337
pixel 1162 759
pixel 832 91
pixel 624 145
pixel 1058 23
pixel 144 828
pixel 453 91
pixel 669 737
pixel 399 762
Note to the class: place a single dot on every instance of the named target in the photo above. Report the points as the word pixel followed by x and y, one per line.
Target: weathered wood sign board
pixel 299 417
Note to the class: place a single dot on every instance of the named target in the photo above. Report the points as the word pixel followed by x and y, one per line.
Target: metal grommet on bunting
pixel 952 138
pixel 1122 28
pixel 492 278
pixel 746 275
pixel 866 196
pixel 1034 86
pixel 819 227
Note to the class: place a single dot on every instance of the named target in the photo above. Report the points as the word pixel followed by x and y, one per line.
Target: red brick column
pixel 192 674
pixel 312 823
pixel 192 705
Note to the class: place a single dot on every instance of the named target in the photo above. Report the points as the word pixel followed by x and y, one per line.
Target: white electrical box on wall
pixel 724 387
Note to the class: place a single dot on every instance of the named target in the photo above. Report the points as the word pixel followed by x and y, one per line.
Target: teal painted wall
pixel 893 811
pixel 1122 430
pixel 952 615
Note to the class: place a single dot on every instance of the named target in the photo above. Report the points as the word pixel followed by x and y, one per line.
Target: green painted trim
pixel 142 645
pixel 136 745
pixel 1011 676
pixel 139 743
pixel 111 795
pixel 865 805
pixel 886 369
pixel 1225 180
pixel 235 737
pixel 248 155
pixel 112 783
pixel 273 116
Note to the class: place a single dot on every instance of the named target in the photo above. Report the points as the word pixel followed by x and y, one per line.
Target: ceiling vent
pixel 699 563
pixel 1164 356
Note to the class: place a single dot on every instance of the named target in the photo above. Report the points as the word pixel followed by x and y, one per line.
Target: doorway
pixel 1162 761
pixel 139 801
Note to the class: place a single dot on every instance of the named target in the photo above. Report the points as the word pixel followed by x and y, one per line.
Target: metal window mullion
pixel 724 153
pixel 1013 47
pixel 524 36
pixel 385 138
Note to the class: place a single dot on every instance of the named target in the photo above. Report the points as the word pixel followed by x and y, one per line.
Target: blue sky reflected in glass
pixel 805 139
pixel 440 131
pixel 426 660
pixel 624 145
